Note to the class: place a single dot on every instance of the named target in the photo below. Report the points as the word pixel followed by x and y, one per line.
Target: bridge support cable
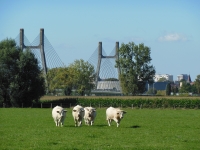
pixel 53 59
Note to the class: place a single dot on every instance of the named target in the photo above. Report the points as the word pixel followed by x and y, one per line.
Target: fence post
pixel 61 104
pixel 41 105
pixel 99 105
pixel 51 105
pixel 132 106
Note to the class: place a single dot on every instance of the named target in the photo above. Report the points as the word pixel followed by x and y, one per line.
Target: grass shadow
pixel 135 126
pixel 86 126
pixel 101 125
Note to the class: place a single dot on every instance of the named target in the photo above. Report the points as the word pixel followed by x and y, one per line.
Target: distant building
pixel 182 76
pixel 157 85
pixel 168 77
pixel 186 77
pixel 189 79
pixel 177 83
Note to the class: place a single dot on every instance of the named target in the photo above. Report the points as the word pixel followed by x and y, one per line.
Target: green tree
pixel 135 69
pixel 168 89
pixel 51 73
pixel 197 84
pixel 78 76
pixel 60 78
pixel 194 89
pixel 185 88
pixel 83 76
pixel 21 80
pixel 163 79
pixel 174 89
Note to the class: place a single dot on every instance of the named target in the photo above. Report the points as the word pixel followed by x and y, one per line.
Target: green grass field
pixel 145 129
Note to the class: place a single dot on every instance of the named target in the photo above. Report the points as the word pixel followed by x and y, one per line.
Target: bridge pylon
pixel 40 46
pixel 100 57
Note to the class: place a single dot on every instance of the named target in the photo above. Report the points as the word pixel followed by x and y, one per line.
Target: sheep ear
pixel 94 109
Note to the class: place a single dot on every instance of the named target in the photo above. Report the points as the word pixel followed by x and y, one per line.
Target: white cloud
pixel 172 37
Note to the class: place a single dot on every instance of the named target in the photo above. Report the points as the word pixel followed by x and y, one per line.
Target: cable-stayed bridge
pixel 106 73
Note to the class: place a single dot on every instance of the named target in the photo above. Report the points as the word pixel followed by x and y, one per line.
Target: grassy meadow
pixel 141 129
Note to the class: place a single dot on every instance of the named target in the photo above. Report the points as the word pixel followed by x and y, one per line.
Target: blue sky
pixel 170 28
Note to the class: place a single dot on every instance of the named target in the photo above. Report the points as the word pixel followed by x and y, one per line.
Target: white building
pixel 166 76
pixel 182 76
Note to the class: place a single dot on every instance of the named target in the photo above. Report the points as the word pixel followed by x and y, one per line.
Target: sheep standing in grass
pixel 90 114
pixel 78 114
pixel 115 114
pixel 59 114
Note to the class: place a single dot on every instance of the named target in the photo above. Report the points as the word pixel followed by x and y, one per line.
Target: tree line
pixel 23 81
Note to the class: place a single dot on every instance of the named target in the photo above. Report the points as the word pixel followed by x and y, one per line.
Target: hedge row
pixel 133 103
pixel 99 102
pixel 65 102
pixel 142 103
